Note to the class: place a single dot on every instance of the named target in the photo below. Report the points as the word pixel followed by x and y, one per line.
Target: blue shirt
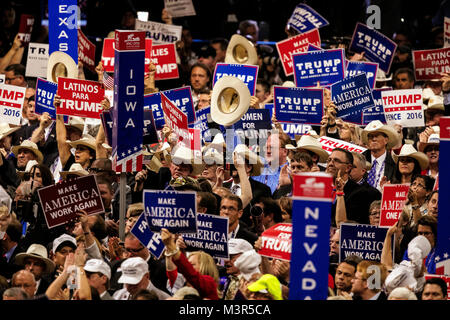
pixel 269 176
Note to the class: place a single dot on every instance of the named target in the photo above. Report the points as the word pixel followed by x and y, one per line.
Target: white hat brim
pixel 419 156
pixel 390 132
pixel 15 151
pixel 63 58
pixel 49 264
pixel 235 40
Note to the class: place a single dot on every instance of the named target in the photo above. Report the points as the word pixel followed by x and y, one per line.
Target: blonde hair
pixel 135 209
pixel 207 266
pixel 365 264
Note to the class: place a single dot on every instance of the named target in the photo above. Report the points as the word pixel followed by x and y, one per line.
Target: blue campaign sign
pixel 152 241
pixel 375 112
pixel 173 210
pixel 202 123
pixel 375 45
pixel 107 123
pixel 293 129
pixel 150 133
pixel 298 105
pixel 312 47
pixel 211 236
pixel 357 67
pixel 269 106
pixel 362 240
pixel 153 102
pixel 63 27
pixel 351 96
pixel 247 73
pixel 255 124
pixel 182 98
pixel 323 66
pixel 45 93
pixel 304 18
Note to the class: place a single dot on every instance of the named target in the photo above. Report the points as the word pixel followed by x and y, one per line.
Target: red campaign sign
pixel 129 40
pixel 444 123
pixel 195 141
pixel 446 279
pixel 61 202
pixel 429 64
pixel 175 119
pixel 108 54
pixel 11 102
pixel 299 43
pixel 80 98
pixel 86 51
pixel 165 60
pixel 25 28
pixel 277 242
pixel 313 186
pixel 392 203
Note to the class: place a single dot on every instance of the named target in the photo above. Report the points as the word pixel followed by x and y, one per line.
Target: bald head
pixel 24 279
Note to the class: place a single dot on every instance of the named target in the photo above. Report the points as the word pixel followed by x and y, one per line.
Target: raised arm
pixel 61 135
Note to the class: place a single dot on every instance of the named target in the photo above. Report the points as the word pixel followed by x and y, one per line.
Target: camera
pixel 256 211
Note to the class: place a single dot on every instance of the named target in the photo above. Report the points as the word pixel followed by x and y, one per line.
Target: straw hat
pixel 378 126
pixel 241 50
pixel 409 151
pixel 77 122
pixel 433 139
pixel 60 64
pixel 75 169
pixel 6 129
pixel 30 164
pixel 435 103
pixel 310 143
pixel 381 76
pixel 86 140
pixel 36 251
pixel 29 145
pixel 183 155
pixel 252 158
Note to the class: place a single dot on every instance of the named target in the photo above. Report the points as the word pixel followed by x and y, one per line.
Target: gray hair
pixel 15 292
pixel 402 293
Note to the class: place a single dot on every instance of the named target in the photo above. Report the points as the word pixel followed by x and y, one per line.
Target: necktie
pixel 372 174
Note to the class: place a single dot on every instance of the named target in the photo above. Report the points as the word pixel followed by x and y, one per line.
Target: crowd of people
pixel 86 259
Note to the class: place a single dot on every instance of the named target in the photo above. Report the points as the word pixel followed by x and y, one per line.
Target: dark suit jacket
pixel 244 233
pixel 7 269
pixel 389 166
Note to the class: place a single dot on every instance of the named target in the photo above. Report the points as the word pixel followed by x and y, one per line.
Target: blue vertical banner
pixel 128 111
pixel 63 27
pixel 312 197
pixel 443 232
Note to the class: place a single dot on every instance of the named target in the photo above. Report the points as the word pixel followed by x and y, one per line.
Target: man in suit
pixel 359 175
pixel 368 281
pixel 10 247
pixel 98 274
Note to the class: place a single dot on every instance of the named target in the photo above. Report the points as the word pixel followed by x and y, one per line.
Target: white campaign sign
pixel 37 60
pixel 2 78
pixel 180 8
pixel 160 33
pixel 403 107
pixel 11 102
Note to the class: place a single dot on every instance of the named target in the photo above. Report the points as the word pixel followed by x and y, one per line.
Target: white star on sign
pixel 123 154
pixel 437 258
pixel 135 148
pixel 129 151
pixel 446 255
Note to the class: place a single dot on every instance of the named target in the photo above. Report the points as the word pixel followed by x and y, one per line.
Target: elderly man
pixel 24 279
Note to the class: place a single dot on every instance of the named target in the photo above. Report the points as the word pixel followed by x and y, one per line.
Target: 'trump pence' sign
pixel 277 242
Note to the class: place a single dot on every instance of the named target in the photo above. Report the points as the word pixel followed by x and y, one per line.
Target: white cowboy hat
pixel 30 164
pixel 183 155
pixel 253 158
pixel 6 129
pixel 36 251
pixel 427 93
pixel 60 64
pixel 86 140
pixel 75 169
pixel 241 50
pixel 408 150
pixel 230 100
pixel 436 103
pixel 378 126
pixel 381 76
pixel 433 139
pixel 77 122
pixel 310 143
pixel 29 145
pixel 288 84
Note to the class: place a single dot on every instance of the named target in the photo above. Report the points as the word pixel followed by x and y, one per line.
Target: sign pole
pixel 122 204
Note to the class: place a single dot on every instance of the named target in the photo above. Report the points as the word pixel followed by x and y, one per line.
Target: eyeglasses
pixel 336 160
pixel 134 250
pixel 424 233
pixel 414 184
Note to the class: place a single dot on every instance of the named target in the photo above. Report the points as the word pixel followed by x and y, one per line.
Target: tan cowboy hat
pixel 36 251
pixel 241 50
pixel 435 103
pixel 308 142
pixel 75 169
pixel 427 93
pixel 155 162
pixel 183 155
pixel 77 122
pixel 381 76
pixel 30 164
pixel 433 139
pixel 60 64
pixel 29 145
pixel 378 126
pixel 86 140
pixel 409 151
pixel 6 129
pixel 252 158
pixel 230 100
pixel 288 84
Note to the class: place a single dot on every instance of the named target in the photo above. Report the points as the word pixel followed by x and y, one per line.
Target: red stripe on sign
pixel 139 162
pixel 129 165
pixel 411 108
pixel 119 168
pixel 10 104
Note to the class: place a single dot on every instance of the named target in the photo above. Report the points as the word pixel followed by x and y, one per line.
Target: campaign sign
pixel 298 105
pixel 247 73
pixel 182 98
pixel 254 126
pixel 164 57
pixel 108 54
pixel 277 242
pixel 311 235
pixel 150 135
pixel 86 51
pixel 375 45
pixel 446 32
pixel 312 47
pixel 63 27
pixel 175 119
pixel 429 64
pixel 45 93
pixel 81 98
pixel 151 240
pixel 37 60
pixel 107 123
pixel 202 123
pixel 61 202
pixel 351 96
pixel 195 142
pixel 2 79
pixel 11 102
pixel 153 101
pixel 324 67
pixel 211 236
pixel 293 129
pixel 446 279
pixel 357 67
pixel 362 240
pixel 179 8
pixel 328 144
pixel 174 210
pixel 304 18
pixel 376 112
pixel 25 28
pixel 403 107
pixel 393 200
pixel 160 32
pixel 299 43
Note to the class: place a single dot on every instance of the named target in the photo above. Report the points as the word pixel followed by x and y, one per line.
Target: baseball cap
pixel 248 263
pixel 267 284
pixel 133 269
pixel 236 246
pixel 97 265
pixel 66 240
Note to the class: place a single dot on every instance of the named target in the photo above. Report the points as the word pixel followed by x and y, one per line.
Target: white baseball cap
pixel 133 269
pixel 64 238
pixel 97 265
pixel 236 246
